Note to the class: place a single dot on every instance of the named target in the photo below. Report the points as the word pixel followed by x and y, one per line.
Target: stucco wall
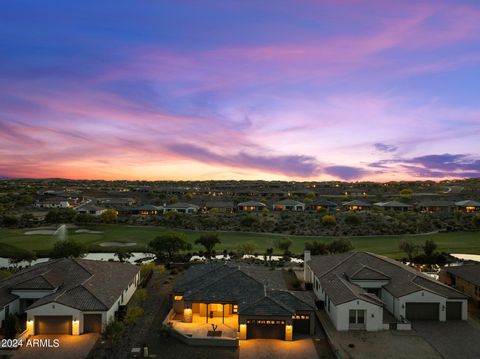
pixel 422 296
pixel 340 315
pixel 14 307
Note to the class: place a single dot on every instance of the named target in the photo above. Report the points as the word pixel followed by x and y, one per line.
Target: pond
pixel 145 257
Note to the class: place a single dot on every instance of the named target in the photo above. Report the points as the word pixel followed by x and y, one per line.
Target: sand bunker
pixel 87 231
pixel 42 231
pixel 117 244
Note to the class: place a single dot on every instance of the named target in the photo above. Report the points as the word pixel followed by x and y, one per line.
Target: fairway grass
pixel 14 241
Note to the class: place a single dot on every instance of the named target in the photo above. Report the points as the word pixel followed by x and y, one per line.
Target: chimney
pixel 306 256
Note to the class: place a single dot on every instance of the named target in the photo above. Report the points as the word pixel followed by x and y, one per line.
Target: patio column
pixel 207 314
pixel 223 313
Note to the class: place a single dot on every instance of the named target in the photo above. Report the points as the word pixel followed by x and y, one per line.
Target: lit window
pixel 235 308
pixel 178 297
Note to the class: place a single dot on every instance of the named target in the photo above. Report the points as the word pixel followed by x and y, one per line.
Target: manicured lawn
pixel 13 241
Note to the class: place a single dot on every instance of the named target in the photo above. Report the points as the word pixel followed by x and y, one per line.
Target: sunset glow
pixel 303 90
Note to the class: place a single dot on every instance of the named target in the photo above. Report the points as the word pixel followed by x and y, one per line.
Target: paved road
pixel 71 347
pixel 278 349
pixel 453 339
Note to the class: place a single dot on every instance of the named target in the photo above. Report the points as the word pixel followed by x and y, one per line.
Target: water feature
pixel 61 232
pixel 145 257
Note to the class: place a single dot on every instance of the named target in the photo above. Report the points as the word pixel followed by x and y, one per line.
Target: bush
pixel 140 296
pixel 11 326
pixel 352 219
pixel 133 313
pixel 316 248
pixel 340 245
pixel 329 220
pixel 295 283
pixel 165 331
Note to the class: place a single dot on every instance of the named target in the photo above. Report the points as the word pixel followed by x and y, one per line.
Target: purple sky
pixel 304 89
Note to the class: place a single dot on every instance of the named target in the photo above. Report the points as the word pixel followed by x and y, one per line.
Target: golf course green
pixel 15 241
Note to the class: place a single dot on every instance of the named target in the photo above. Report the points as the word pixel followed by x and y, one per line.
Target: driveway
pixel 454 339
pixel 70 346
pixel 278 349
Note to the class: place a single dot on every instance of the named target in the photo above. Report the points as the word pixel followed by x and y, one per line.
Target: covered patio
pixel 198 327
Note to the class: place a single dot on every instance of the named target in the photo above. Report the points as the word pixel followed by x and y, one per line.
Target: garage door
pixel 53 324
pixel 92 323
pixel 422 311
pixel 265 329
pixel 301 324
pixel 454 310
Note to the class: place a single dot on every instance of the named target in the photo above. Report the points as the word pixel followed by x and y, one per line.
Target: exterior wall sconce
pixel 288 332
pixel 243 332
pixel 403 306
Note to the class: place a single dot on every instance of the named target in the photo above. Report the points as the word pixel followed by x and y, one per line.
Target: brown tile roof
pixel 469 272
pixel 335 272
pixel 79 283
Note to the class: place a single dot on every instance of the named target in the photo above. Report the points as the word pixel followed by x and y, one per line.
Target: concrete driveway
pixel 70 346
pixel 278 349
pixel 453 339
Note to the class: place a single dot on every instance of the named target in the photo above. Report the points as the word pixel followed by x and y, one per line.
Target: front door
pixel 356 319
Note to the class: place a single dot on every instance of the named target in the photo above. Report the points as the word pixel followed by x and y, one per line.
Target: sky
pixel 351 90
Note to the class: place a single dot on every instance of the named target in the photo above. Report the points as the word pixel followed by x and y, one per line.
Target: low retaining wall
pixel 199 341
pixel 326 328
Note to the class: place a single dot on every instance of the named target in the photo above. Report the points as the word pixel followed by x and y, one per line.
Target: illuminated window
pixel 215 307
pixel 235 308
pixel 178 297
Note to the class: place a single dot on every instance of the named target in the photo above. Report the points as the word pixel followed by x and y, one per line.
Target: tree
pixel 109 216
pixel 26 219
pixel 406 193
pixel 133 313
pixel 112 334
pixel 268 254
pixel 329 220
pixel 10 221
pixel 410 248
pixel 429 247
pixel 247 248
pixel 341 245
pixel 60 215
pixel 208 240
pixel 84 218
pixel 169 244
pixel 68 248
pixel 316 248
pixel 11 326
pixel 352 219
pixel 284 245
pixel 123 255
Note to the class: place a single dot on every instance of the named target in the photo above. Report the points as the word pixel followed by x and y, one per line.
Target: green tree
pixel 109 216
pixel 168 245
pixel 11 326
pixel 329 220
pixel 284 245
pixel 246 248
pixel 112 334
pixel 429 247
pixel 340 245
pixel 60 215
pixel 84 218
pixel 410 248
pixel 10 221
pixel 316 248
pixel 123 255
pixel 352 219
pixel 406 193
pixel 68 248
pixel 208 240
pixel 134 312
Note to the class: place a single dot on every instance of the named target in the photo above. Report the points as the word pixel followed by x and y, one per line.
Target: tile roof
pixel 336 271
pixel 79 283
pixel 469 272
pixel 395 204
pixel 289 202
pixel 357 203
pixel 244 285
pixel 323 202
pixel 467 203
pixel 219 204
pixel 182 205
pixel 252 203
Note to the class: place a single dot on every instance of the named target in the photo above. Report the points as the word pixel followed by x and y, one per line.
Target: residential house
pixel 393 206
pixel 181 207
pixel 147 210
pixel 251 300
pixel 322 204
pixel 68 296
pixel 370 292
pixel 468 206
pixel 58 202
pixel 356 205
pixel 90 208
pixel 116 202
pixel 251 206
pixel 465 278
pixel 288 205
pixel 430 206
pixel 220 206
